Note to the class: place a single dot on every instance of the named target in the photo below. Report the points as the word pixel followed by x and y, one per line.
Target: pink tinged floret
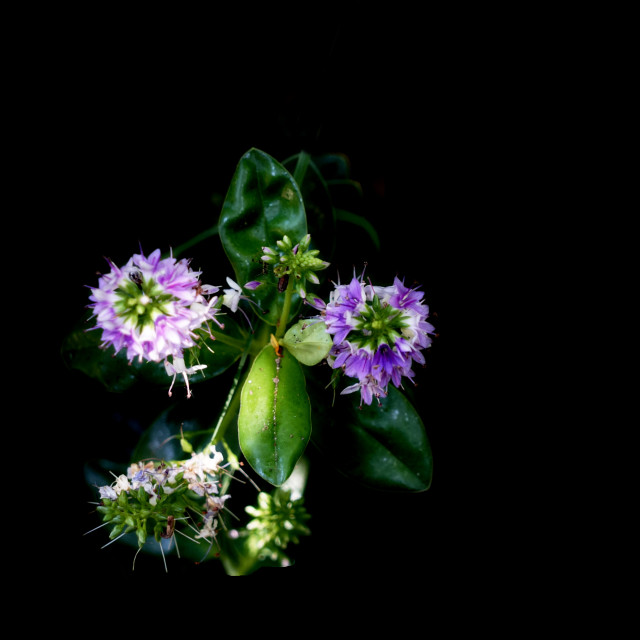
pixel 178 366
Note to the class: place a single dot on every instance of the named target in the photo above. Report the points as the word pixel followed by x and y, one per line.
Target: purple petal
pixel 316 303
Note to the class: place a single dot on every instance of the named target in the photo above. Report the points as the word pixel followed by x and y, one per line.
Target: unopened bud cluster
pixel 295 261
pixel 277 521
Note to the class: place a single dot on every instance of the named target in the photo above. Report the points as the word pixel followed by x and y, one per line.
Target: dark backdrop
pixel 138 147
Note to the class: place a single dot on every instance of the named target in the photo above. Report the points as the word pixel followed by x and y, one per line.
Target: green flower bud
pixel 107 510
pixel 295 261
pixel 277 521
pixel 142 533
pixel 186 446
pixel 285 244
pixel 304 243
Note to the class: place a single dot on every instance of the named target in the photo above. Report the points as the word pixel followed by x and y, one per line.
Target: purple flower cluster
pixel 378 332
pixel 151 307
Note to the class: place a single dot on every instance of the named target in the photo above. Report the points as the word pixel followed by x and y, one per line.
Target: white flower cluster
pixel 201 473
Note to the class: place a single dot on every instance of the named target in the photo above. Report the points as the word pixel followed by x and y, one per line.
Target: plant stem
pixel 232 404
pixel 286 309
pixel 225 339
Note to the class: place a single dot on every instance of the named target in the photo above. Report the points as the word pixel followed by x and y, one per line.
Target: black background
pixel 136 145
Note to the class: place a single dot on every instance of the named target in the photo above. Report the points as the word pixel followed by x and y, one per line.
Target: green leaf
pixel 382 447
pixel 81 351
pixel 308 341
pixel 274 423
pixel 262 205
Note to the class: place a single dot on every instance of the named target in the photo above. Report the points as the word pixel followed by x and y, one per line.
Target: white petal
pixel 234 285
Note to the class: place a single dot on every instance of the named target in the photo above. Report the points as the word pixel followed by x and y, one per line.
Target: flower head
pixel 151 307
pixel 153 497
pixel 378 332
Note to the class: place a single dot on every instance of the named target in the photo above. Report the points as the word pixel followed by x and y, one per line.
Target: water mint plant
pixel 281 350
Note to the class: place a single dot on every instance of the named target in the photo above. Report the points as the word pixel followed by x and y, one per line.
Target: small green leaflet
pixel 308 341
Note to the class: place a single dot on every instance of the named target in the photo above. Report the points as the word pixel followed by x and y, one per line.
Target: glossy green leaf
pixel 262 205
pixel 308 341
pixel 81 351
pixel 274 423
pixel 384 447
